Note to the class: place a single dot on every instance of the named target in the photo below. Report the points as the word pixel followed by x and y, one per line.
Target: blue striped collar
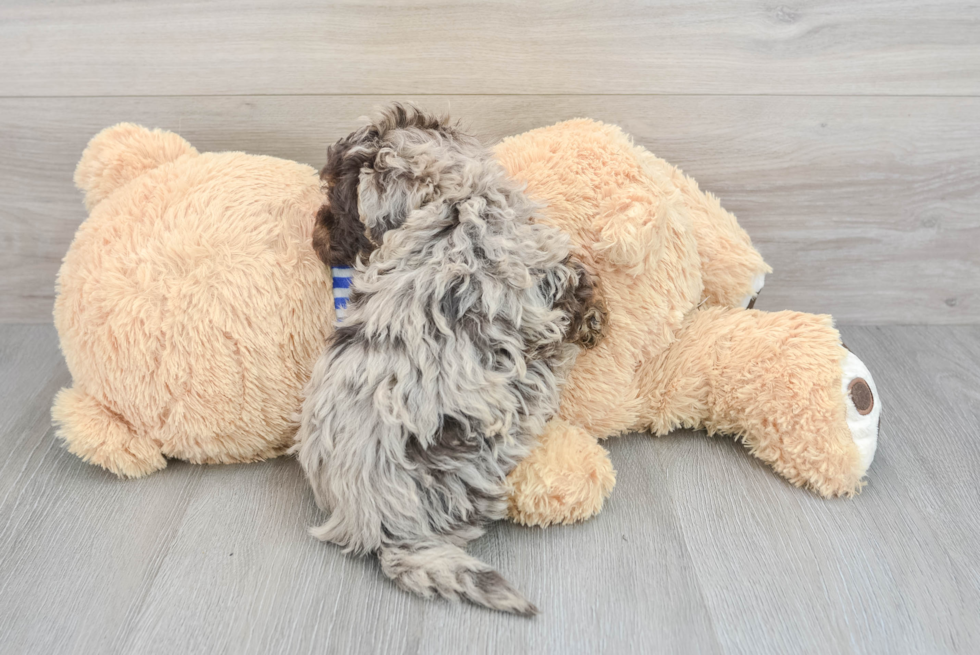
pixel 341 289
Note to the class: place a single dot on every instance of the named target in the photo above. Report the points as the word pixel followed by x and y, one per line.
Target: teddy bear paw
pixel 575 491
pixel 759 281
pixel 863 408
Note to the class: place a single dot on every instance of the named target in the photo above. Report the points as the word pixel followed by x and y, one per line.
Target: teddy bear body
pixel 636 232
pixel 191 307
pixel 682 348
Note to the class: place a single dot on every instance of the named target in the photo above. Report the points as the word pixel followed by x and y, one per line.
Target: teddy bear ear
pixel 121 153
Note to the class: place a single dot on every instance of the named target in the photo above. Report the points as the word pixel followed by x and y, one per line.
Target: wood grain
pixel 892 571
pixel 700 549
pixel 873 47
pixel 31 370
pixel 844 135
pixel 865 207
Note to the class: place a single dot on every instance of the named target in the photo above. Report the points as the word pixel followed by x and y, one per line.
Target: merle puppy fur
pixel 463 319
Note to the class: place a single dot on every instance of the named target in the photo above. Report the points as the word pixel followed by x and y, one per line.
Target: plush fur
pixel 459 331
pixel 190 305
pixel 680 351
pixel 673 266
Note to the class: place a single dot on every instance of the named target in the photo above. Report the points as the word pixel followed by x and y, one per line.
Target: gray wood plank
pixel 243 576
pixel 78 548
pixel 31 368
pixel 894 570
pixel 700 549
pixel 275 47
pixel 216 559
pixel 865 207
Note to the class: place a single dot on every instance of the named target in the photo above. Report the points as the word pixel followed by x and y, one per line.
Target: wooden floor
pixel 846 137
pixel 700 549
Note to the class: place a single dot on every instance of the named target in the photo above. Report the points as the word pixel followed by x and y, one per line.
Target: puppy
pixel 463 319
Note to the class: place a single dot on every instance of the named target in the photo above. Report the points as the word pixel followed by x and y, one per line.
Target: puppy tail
pixel 442 568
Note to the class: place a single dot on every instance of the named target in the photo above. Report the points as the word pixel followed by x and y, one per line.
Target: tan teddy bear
pixel 191 307
pixel 683 350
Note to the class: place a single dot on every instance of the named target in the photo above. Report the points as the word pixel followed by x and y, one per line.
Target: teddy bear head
pixel 190 305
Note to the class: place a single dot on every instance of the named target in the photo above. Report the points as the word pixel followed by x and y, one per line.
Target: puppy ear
pixel 339 235
pixel 388 191
pixel 371 210
pixel 375 177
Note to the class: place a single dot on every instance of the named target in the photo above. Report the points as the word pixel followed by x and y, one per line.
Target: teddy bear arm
pixel 732 270
pixel 565 479
pixel 782 383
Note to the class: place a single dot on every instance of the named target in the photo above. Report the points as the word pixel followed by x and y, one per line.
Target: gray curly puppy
pixel 462 321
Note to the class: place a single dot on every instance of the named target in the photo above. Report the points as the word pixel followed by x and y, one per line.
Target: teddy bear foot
pixel 759 281
pixel 565 480
pixel 863 408
pixel 100 437
pixel 576 497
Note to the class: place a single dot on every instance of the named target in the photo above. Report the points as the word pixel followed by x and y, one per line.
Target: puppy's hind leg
pixel 441 568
